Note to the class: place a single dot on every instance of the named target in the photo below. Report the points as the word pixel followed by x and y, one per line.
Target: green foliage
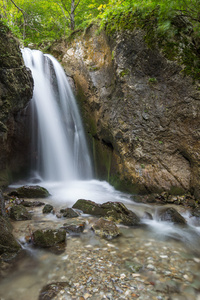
pixel 172 25
pixel 42 21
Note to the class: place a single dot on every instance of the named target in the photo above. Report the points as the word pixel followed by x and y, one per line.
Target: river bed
pixel 157 260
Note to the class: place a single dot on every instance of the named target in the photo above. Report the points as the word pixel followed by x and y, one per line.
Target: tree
pixel 41 20
pixel 70 11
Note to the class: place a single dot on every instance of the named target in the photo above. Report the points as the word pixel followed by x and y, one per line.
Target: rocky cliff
pixel 16 87
pixel 143 115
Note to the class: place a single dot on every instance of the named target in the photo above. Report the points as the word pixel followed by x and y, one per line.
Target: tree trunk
pixel 72 22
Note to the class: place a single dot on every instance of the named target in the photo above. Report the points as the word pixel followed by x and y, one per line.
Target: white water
pixel 58 139
pixel 63 164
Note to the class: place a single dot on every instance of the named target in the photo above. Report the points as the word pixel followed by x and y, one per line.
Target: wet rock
pixel 69 213
pixel 19 213
pixel 28 191
pixel 147 215
pixel 89 207
pixel 171 215
pixel 119 213
pixel 48 237
pixel 8 244
pixel 48 208
pixel 74 228
pixel 49 291
pixel 106 229
pixel 115 210
pixel 32 203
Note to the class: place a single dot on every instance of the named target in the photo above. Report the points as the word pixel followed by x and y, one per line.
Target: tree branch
pixel 24 16
pixel 75 6
pixel 64 6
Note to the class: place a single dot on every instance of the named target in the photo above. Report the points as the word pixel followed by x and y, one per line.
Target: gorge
pixel 141 115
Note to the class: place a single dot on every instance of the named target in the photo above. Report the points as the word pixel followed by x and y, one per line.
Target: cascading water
pixel 60 146
pixel 63 162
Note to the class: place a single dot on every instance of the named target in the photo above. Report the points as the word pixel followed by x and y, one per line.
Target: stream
pixel 157 260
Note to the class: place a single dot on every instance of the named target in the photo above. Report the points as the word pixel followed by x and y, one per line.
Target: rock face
pixel 142 114
pixel 8 244
pixel 16 87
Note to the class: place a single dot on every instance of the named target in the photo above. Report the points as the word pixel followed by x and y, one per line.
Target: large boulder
pixel 30 191
pixel 120 213
pixel 116 211
pixel 89 207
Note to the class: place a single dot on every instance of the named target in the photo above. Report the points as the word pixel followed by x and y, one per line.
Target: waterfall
pixel 58 144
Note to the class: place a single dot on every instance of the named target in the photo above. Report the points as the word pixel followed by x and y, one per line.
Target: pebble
pixel 97 269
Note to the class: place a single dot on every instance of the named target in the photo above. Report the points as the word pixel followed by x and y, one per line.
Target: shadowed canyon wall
pixel 16 87
pixel 142 114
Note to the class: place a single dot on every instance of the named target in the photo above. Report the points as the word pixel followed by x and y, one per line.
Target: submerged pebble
pixel 135 265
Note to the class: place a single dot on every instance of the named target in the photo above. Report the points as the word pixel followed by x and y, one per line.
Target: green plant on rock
pixel 152 80
pixel 124 72
pixel 171 25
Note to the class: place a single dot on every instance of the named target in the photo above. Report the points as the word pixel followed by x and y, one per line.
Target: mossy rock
pixel 117 211
pixel 8 244
pixel 19 213
pixel 89 207
pixel 48 208
pixel 70 213
pixel 28 191
pixel 48 237
pixel 120 213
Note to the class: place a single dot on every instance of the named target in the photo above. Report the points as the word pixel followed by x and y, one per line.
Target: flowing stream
pixel 62 163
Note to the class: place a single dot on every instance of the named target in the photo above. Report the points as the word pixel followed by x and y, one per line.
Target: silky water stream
pixel 157 260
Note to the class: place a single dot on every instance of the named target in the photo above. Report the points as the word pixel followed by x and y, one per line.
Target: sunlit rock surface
pixel 142 113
